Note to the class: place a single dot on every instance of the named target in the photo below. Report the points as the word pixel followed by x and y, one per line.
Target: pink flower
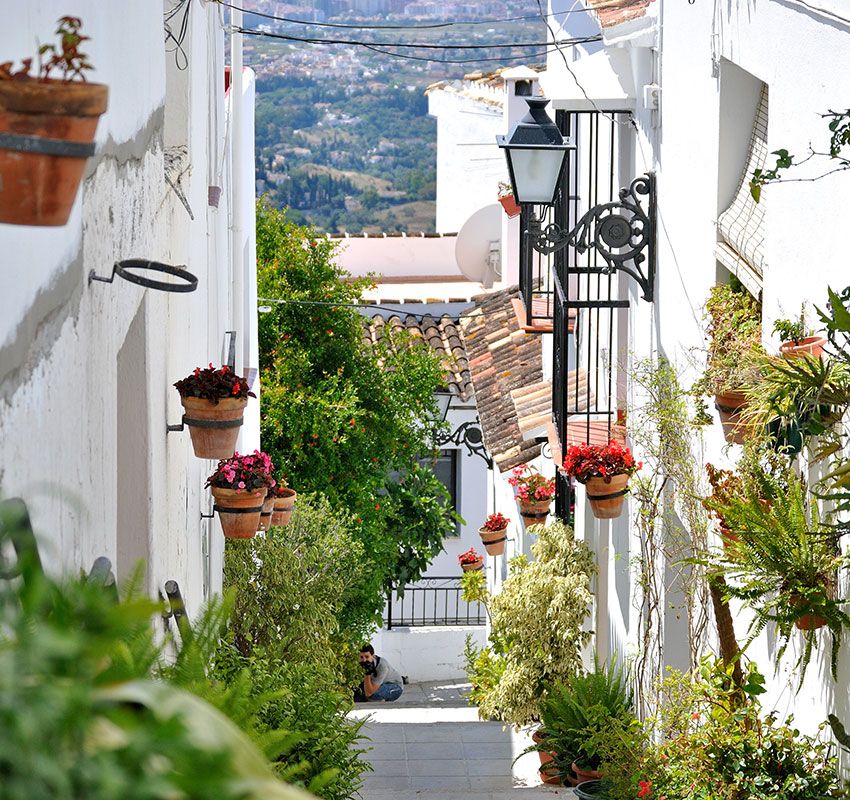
pixel 241 484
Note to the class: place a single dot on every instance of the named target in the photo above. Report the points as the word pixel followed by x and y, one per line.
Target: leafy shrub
pixel 536 635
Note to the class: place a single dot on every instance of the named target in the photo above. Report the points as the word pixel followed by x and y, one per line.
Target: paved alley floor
pixel 430 745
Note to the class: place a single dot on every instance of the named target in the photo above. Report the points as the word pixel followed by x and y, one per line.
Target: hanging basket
pixel 266 514
pixel 493 541
pixel 729 407
pixel 607 497
pixel 534 512
pixel 805 622
pixel 46 135
pixel 809 346
pixel 238 512
pixel 283 508
pixel 473 566
pixel 510 205
pixel 214 427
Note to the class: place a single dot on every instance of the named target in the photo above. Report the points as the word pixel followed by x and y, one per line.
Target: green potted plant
pixel 284 502
pixel 494 533
pixel 533 492
pixel 506 198
pixel 605 471
pixel 784 566
pixel 47 125
pixel 214 400
pixel 797 339
pixel 471 560
pixel 239 486
pixel 734 341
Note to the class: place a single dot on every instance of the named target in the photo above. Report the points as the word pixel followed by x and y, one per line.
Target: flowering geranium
pixel 213 384
pixel 530 486
pixel 469 557
pixel 496 522
pixel 246 473
pixel 586 461
pixel 279 490
pixel 644 788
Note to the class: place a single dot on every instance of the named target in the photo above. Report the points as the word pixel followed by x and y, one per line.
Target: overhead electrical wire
pixel 427 26
pixel 434 60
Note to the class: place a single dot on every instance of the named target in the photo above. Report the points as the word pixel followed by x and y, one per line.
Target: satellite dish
pixel 478 247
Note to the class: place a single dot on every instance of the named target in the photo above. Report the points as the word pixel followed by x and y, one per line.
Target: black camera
pixel 369 667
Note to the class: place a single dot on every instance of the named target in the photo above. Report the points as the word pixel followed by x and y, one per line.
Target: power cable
pixel 429 26
pixel 433 60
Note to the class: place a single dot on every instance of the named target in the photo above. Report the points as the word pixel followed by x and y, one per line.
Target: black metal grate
pixel 432 601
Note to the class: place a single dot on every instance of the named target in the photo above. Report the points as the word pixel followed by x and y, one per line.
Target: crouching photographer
pixel 381 682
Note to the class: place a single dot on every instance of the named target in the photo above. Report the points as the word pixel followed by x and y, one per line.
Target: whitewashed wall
pixel 802 55
pixel 86 370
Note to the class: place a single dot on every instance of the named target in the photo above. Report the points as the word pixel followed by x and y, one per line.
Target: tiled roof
pixel 614 12
pixel 502 358
pixel 445 337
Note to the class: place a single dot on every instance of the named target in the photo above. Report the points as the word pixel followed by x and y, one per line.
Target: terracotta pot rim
pixel 221 491
pixel 290 493
pixel 225 403
pixel 54 97
pixel 807 342
pixel 482 529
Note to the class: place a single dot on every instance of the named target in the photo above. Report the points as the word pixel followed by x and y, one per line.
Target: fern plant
pixel 783 564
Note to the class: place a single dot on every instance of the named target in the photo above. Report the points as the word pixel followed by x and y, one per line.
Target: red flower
pixel 585 461
pixel 644 788
pixel 377 506
pixel 237 387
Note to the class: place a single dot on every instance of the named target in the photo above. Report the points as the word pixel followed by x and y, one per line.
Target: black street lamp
pixel 622 232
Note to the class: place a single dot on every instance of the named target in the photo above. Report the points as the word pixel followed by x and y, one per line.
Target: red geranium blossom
pixel 644 788
pixel 586 461
pixel 530 485
pixel 496 522
pixel 469 557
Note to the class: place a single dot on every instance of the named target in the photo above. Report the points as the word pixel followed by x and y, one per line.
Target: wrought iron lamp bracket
pixel 469 435
pixel 622 232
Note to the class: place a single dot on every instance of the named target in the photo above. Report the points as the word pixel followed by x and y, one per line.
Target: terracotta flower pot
pixel 473 566
pixel 53 124
pixel 729 406
pixel 266 514
pixel 510 205
pixel 283 507
pixel 810 345
pixel 607 498
pixel 548 771
pixel 585 774
pixel 534 512
pixel 805 622
pixel 493 541
pixel 239 512
pixel 214 428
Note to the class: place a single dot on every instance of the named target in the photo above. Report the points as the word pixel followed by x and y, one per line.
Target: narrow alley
pixel 430 745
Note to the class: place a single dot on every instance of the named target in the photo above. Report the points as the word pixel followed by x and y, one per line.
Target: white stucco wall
pixel 392 257
pixel 694 144
pixel 428 654
pixel 86 370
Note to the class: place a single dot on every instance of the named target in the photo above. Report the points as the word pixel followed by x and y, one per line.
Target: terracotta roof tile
pixel 444 335
pixel 614 12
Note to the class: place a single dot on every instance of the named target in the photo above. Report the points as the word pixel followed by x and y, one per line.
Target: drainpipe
pixel 237 190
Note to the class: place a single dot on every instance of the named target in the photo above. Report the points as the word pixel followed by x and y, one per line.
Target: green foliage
pixel 339 416
pixel 536 635
pixel 79 715
pixel 734 338
pixel 576 716
pixel 783 564
pixel 714 743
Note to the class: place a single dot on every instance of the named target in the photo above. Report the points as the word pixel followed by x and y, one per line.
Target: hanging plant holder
pixel 607 497
pixel 730 407
pixel 213 427
pixel 47 132
pixel 283 507
pixel 266 514
pixel 494 541
pixel 238 512
pixel 510 205
pixel 473 566
pixel 534 512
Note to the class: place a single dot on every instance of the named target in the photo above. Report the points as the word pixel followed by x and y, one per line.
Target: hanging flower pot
pixel 510 205
pixel 605 471
pixel 730 406
pixel 533 492
pixel 807 346
pixel 284 504
pixel 471 561
pixel 494 534
pixel 266 513
pixel 549 772
pixel 806 621
pixel 47 129
pixel 534 512
pixel 214 401
pixel 238 511
pixel 239 486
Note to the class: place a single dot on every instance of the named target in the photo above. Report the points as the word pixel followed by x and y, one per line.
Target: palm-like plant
pixel 783 565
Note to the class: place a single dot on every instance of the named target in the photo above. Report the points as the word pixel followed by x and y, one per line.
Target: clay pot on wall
pixel 266 514
pixel 534 512
pixel 607 498
pixel 283 507
pixel 238 512
pixel 493 541
pixel 473 566
pixel 47 130
pixel 510 205
pixel 214 427
pixel 810 345
pixel 729 406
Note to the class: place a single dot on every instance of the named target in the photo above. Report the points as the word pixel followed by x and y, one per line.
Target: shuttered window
pixel 741 226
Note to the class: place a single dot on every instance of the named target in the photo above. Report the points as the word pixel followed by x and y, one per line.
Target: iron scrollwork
pixel 469 435
pixel 621 232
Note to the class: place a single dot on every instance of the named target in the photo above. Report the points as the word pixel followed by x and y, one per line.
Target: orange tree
pixel 339 416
